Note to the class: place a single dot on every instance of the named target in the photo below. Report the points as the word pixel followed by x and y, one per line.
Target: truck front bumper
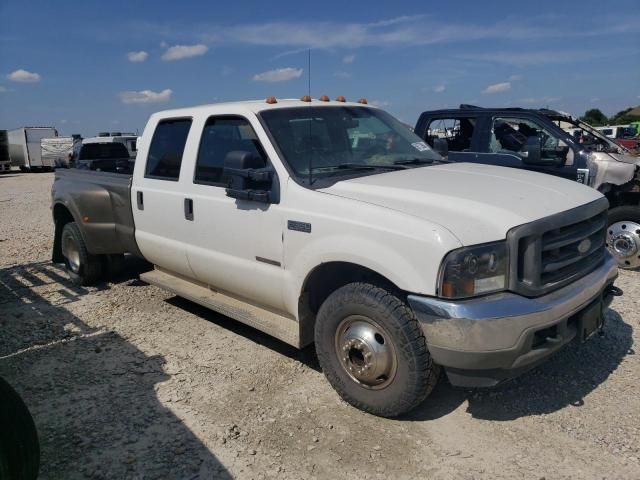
pixel 487 340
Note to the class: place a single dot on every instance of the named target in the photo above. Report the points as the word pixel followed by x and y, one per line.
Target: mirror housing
pixel 441 146
pixel 533 150
pixel 249 177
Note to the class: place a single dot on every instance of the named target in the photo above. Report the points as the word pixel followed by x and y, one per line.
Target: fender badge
pixel 299 226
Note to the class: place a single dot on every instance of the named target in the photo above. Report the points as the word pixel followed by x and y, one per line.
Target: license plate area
pixel 590 319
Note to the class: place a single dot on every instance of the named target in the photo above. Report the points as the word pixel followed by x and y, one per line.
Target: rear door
pixel 157 195
pixel 34 136
pixel 462 133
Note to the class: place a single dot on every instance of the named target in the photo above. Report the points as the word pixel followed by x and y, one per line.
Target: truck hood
pixel 476 203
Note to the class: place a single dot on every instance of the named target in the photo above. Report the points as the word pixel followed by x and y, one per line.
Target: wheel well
pixel 61 216
pixel 326 279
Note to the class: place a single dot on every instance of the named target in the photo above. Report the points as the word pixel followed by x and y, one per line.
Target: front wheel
pixel 372 350
pixel 83 268
pixel 623 235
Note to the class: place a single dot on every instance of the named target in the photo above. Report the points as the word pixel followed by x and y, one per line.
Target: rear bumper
pixel 484 341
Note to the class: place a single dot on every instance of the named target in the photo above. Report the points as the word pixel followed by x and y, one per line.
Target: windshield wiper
pixel 413 161
pixel 359 166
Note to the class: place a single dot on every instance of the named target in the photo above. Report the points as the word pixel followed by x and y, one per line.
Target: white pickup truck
pixel 329 222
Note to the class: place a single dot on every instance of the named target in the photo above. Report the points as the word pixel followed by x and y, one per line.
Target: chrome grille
pixel 554 251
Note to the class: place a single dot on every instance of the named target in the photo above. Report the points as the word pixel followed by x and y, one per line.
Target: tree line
pixel 596 118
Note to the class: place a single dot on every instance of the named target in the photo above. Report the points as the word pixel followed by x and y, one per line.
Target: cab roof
pixel 254 106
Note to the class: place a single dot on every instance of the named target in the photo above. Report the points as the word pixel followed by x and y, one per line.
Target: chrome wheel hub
pixel 623 241
pixel 365 351
pixel 71 252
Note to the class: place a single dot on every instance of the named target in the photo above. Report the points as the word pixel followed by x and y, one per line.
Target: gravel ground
pixel 126 381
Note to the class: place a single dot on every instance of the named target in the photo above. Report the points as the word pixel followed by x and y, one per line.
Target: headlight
pixel 476 270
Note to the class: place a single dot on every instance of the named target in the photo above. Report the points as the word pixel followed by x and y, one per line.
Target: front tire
pixel 372 350
pixel 82 267
pixel 623 236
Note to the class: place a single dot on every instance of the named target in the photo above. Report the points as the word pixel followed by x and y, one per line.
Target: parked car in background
pixel 129 140
pixel 331 223
pixel 625 135
pixel 108 156
pixel 25 149
pixel 5 160
pixel 550 142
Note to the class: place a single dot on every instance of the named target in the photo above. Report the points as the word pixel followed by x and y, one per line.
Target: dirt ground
pixel 126 381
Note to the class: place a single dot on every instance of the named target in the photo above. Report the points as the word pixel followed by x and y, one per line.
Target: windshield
pixel 586 136
pixel 330 141
pixel 97 151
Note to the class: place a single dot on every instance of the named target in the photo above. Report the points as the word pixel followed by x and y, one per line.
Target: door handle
pixel 188 209
pixel 140 200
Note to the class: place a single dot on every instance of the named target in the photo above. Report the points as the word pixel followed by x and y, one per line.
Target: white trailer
pixel 57 150
pixel 25 150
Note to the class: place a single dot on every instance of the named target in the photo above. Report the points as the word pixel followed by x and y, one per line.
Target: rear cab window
pixel 167 148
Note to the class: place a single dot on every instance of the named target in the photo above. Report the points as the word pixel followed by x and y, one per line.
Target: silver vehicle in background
pixel 25 149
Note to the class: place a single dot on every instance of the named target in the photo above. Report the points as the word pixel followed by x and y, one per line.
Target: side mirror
pixel 441 146
pixel 532 151
pixel 249 177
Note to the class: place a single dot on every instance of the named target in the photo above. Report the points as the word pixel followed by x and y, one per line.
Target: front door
pixel 235 246
pixel 508 136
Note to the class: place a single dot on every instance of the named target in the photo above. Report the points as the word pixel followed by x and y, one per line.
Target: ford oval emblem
pixel 584 246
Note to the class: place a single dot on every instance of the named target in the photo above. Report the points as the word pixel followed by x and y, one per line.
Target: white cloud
pixel 439 88
pixel 179 52
pixel 145 96
pixel 140 56
pixel 24 76
pixel 380 103
pixel 498 87
pixel 515 78
pixel 278 75
pixel 349 59
pixel 344 75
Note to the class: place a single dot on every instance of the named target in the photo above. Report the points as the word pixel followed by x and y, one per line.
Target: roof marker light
pixel 340 98
pixel 324 98
pixel 271 100
pixel 306 98
pixel 362 101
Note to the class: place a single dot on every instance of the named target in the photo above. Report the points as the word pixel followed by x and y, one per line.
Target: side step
pixel 278 326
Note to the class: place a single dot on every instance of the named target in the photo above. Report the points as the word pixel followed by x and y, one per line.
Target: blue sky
pixel 90 66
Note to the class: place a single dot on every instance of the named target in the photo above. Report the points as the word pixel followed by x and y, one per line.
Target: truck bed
pixel 100 203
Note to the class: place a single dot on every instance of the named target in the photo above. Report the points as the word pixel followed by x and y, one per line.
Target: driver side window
pixel 510 135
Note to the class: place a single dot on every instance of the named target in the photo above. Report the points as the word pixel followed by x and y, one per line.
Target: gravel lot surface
pixel 127 381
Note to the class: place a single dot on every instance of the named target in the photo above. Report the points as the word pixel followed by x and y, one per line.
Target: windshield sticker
pixel 420 146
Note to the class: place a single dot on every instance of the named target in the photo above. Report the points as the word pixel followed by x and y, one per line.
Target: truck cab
pixel 549 142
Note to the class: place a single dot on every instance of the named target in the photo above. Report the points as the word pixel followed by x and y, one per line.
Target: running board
pixel 278 326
